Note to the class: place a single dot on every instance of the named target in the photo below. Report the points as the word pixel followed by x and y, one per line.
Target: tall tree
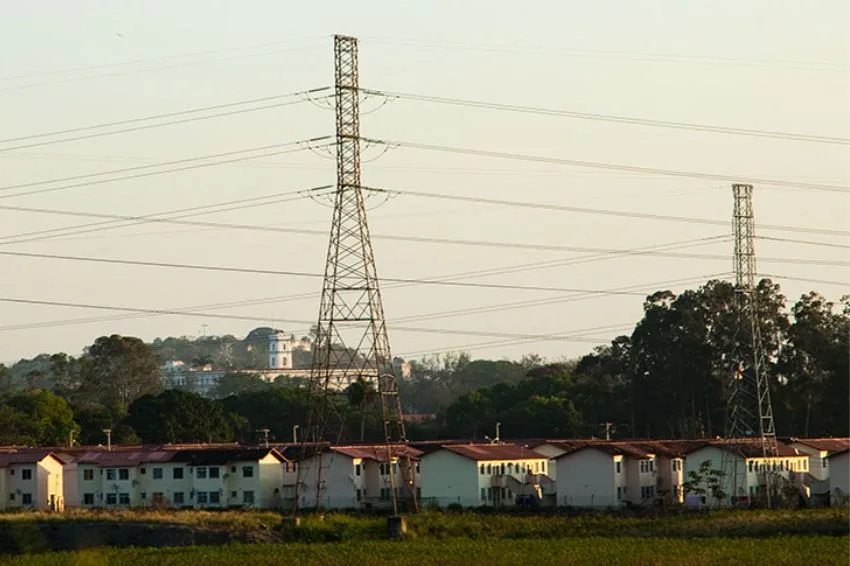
pixel 118 369
pixel 178 416
pixel 36 418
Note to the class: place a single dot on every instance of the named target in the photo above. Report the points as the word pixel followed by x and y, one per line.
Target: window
pixel 481 469
pixel 543 467
pixel 356 469
pixel 11 497
pixel 123 474
pixel 177 473
pixel 124 498
pixel 619 466
pixel 417 467
pixel 143 471
pixel 88 475
pixel 178 497
pixel 619 492
pixel 157 473
pixel 111 499
pixel 248 497
pixel 247 471
pixel 750 465
pixel 26 499
pixel 357 495
pixel 143 495
pixel 110 474
pixel 652 465
pixel 88 499
pixel 201 473
pixel 202 497
pixel 483 494
pixel 26 474
pixel 824 463
pixel 502 468
pixel 214 497
pixel 214 472
pixel 489 469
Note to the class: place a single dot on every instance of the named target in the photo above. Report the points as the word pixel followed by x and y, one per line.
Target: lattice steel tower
pixel 351 342
pixel 750 413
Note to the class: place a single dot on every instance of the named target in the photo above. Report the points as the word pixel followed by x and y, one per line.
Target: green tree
pixel 178 416
pixel 36 418
pixel 705 481
pixel 235 383
pixel 814 366
pixel 361 395
pixel 278 408
pixel 118 370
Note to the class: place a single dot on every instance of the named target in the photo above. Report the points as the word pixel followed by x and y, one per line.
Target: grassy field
pixel 585 551
pixel 468 538
pixel 338 527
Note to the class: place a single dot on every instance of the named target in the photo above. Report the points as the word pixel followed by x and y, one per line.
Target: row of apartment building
pixel 581 473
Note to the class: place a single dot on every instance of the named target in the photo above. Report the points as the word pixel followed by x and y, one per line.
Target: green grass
pixel 337 526
pixel 774 551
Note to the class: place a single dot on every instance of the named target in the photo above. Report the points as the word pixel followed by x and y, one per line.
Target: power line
pixel 803 242
pixel 173 170
pixel 150 126
pixel 158 164
pixel 604 212
pixel 229 206
pixel 154 59
pixel 451 277
pixel 612 166
pixel 610 117
pixel 806 280
pixel 306 274
pixel 629 55
pixel 423 330
pixel 153 69
pixel 454 241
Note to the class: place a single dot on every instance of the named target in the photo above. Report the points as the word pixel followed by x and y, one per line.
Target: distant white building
pixel 281 346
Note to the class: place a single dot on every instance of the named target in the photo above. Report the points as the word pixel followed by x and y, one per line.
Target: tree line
pixel 667 379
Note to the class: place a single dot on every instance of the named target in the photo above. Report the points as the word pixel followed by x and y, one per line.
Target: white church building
pixel 281 345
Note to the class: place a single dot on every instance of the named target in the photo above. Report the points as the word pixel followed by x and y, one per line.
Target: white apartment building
pixel 747 474
pixel 31 479
pixel 358 477
pixel 211 477
pixel 475 475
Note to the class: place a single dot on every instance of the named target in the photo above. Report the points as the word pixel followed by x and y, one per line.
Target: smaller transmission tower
pixel 750 413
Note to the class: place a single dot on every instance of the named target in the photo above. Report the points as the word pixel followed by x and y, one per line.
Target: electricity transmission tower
pixel 750 413
pixel 351 344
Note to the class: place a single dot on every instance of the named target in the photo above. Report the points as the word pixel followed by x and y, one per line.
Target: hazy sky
pixel 766 65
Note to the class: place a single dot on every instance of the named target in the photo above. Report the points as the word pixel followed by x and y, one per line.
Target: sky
pixel 777 66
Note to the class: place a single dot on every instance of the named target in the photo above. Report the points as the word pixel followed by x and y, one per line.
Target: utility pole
pixel 749 411
pixel 71 439
pixel 351 339
pixel 108 432
pixel 265 432
pixel 607 426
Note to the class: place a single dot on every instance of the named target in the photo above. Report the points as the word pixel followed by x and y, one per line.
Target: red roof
pixel 377 453
pixel 125 458
pixel 751 448
pixel 25 457
pixel 480 452
pixel 825 444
